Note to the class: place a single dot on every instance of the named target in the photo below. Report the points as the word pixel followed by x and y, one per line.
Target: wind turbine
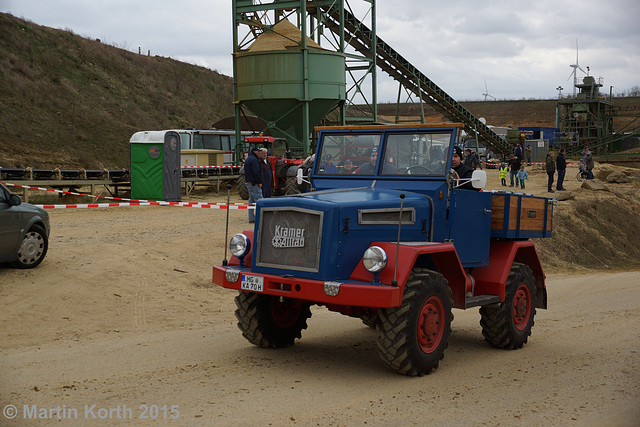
pixel 574 73
pixel 486 92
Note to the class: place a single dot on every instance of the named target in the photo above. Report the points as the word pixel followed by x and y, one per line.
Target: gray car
pixel 24 231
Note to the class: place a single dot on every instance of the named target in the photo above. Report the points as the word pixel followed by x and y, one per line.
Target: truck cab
pixel 388 235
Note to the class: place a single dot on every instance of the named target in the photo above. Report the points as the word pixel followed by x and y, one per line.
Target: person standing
pixel 551 170
pixel 518 153
pixel 589 163
pixel 267 174
pixel 253 179
pixel 514 167
pixel 502 173
pixel 529 152
pixel 561 166
pixel 521 176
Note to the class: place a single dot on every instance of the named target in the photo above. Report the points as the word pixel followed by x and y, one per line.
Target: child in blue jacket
pixel 521 176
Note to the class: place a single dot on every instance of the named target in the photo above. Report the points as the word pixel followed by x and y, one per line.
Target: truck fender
pixel 440 257
pixel 490 280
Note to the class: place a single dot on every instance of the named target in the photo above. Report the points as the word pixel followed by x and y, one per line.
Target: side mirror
pixel 479 179
pixel 15 200
pixel 299 176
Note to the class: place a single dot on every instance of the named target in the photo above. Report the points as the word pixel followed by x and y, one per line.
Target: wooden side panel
pixel 532 214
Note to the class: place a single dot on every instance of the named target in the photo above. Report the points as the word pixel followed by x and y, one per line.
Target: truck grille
pixel 289 238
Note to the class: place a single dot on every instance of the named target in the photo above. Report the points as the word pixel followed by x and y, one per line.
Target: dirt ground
pixel 121 322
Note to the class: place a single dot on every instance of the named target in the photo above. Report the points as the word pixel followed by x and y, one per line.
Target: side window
pixel 4 197
pixel 197 141
pixel 185 141
pixel 212 142
pixel 226 143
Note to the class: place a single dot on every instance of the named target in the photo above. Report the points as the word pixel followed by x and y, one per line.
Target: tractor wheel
pixel 268 322
pixel 509 324
pixel 290 186
pixel 371 320
pixel 243 192
pixel 33 248
pixel 412 338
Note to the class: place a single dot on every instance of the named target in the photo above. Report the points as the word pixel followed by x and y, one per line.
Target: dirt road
pixel 120 322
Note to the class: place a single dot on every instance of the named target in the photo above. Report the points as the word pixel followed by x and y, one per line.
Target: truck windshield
pixel 422 154
pixel 347 154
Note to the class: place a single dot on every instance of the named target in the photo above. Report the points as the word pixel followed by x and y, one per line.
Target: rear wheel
pixel 269 322
pixel 412 338
pixel 33 248
pixel 509 324
pixel 290 186
pixel 243 191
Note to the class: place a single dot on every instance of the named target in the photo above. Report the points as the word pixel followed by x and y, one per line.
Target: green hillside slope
pixel 67 101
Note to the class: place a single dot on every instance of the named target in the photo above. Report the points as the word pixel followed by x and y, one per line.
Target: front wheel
pixel 412 337
pixel 33 248
pixel 269 321
pixel 509 324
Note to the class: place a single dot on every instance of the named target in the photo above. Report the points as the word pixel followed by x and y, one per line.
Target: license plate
pixel 252 283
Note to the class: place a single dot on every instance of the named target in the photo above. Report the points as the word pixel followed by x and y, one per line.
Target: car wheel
pixel 33 248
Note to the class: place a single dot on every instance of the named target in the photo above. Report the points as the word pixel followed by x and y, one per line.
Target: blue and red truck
pixel 388 235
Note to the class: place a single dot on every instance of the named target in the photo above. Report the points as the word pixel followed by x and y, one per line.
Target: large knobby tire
pixel 267 322
pixel 291 186
pixel 33 248
pixel 412 338
pixel 371 320
pixel 508 325
pixel 243 191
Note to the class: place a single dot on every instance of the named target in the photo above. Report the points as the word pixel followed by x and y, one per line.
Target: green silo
pixel 289 87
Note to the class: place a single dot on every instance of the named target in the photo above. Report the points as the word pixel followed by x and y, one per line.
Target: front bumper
pixel 349 292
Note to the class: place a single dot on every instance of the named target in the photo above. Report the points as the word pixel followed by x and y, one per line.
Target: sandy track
pixel 122 312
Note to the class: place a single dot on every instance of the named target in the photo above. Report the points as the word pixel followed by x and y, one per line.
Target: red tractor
pixel 284 167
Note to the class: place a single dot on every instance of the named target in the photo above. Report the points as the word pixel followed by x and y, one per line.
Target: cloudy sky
pixel 523 49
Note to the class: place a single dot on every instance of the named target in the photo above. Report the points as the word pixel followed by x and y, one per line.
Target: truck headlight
pixel 374 259
pixel 239 245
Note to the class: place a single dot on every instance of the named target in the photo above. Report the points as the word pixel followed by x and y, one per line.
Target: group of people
pixel 559 165
pixel 258 177
pixel 516 172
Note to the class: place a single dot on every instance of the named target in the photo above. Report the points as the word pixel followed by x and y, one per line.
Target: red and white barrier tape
pixel 183 204
pixel 128 202
pixel 208 167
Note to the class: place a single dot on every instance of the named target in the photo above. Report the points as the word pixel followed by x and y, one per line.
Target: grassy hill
pixel 67 101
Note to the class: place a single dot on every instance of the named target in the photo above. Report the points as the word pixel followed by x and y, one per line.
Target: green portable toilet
pixel 155 166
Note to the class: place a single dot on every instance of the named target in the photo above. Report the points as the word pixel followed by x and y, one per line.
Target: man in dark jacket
pixel 561 166
pixel 267 174
pixel 514 166
pixel 551 170
pixel 253 179
pixel 471 160
pixel 461 171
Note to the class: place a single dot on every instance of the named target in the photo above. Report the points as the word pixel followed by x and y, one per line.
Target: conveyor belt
pixel 360 38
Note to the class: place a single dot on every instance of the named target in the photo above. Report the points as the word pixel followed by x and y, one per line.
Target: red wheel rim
pixel 431 323
pixel 285 313
pixel 521 307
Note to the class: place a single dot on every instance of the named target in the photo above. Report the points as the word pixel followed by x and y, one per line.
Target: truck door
pixel 470 226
